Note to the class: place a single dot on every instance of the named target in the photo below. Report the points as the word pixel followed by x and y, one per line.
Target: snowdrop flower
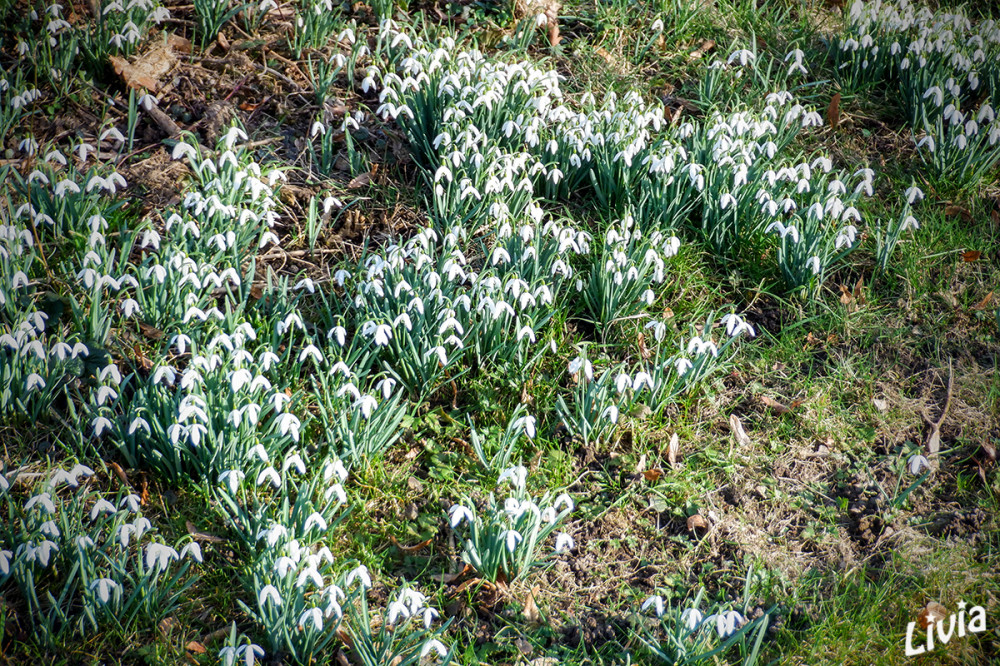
pixel 682 365
pixel 192 550
pixel 458 513
pixel 269 593
pixel 909 223
pixel 434 645
pixel 160 554
pixel 232 478
pixel 104 586
pixel 289 425
pixel 512 538
pixel 726 624
pixel 518 476
pixel 269 474
pixel 361 575
pixel 148 101
pixel 691 618
pixel 918 462
pixel 581 363
pixel 655 602
pixel 101 506
pixel 5 557
pixel 564 543
pixel 249 653
pixel 313 615
pixel 743 55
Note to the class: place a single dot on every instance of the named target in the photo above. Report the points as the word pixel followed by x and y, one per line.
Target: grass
pixel 835 393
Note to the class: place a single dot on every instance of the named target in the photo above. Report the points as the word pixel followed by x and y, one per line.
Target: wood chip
pixel 738 432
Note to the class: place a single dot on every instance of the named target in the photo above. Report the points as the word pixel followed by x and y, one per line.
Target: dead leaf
pixel 738 432
pixel 531 613
pixel 971 255
pixel 858 293
pixel 673 450
pixel 846 298
pixel 196 647
pixel 989 450
pixel 931 614
pixel 119 472
pixel 410 549
pixel 953 210
pixel 223 42
pixel 256 292
pixel 981 305
pixel 653 474
pixel 643 349
pixel 448 578
pixel 150 332
pixel 202 536
pixel 696 522
pixel 144 493
pixel 360 181
pixel 833 111
pixel 880 405
pixel 703 48
pixel 779 407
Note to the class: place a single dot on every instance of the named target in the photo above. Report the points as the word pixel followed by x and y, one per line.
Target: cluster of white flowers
pixel 945 66
pixel 502 541
pixel 80 560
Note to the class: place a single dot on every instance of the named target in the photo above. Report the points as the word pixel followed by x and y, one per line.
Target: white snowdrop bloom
pixel 814 264
pixel 909 223
pixel 511 539
pixel 918 462
pixel 132 501
pixel 691 618
pixel 34 382
pixel 564 543
pixel 232 478
pixel 727 624
pixel 361 575
pixel 104 587
pixel 269 474
pixel 289 425
pixel 159 554
pixel 655 602
pixel 193 551
pixel 100 425
pixel 682 365
pixel 101 506
pixel 518 476
pixel 610 413
pixel 269 593
pixel 458 513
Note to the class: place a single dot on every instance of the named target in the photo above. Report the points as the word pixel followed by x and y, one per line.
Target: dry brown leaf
pixel 531 613
pixel 202 536
pixel 833 111
pixel 697 522
pixel 410 549
pixel 779 407
pixel 858 294
pixel 360 181
pixel 653 474
pixel 971 255
pixel 989 450
pixel 196 647
pixel 953 210
pixel 738 432
pixel 150 332
pixel 703 48
pixel 846 298
pixel 643 349
pixel 673 450
pixel 981 305
pixel 119 472
pixel 448 578
pixel 931 614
